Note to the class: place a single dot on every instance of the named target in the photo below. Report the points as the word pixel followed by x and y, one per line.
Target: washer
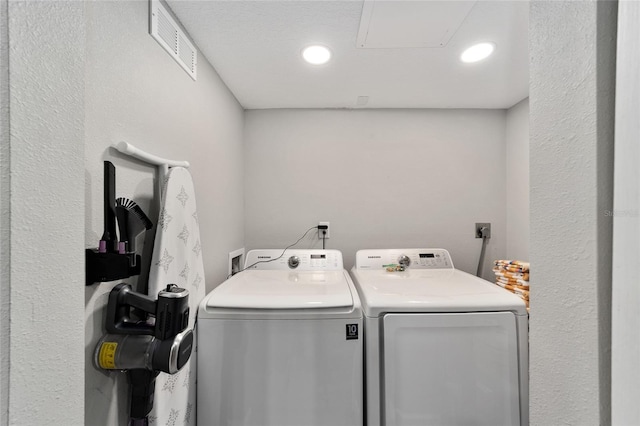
pixel 442 347
pixel 280 344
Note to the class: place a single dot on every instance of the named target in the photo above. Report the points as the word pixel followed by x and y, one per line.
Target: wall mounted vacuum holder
pixel 101 267
pixel 113 259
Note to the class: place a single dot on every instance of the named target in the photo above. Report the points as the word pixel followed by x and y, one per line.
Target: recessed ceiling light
pixel 316 55
pixel 477 52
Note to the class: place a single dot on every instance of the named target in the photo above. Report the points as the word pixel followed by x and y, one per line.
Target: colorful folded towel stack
pixel 513 275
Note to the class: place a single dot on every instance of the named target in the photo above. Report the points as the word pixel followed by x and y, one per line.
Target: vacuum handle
pixel 119 321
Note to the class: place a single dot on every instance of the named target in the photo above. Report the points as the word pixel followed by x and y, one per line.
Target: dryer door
pixel 450 369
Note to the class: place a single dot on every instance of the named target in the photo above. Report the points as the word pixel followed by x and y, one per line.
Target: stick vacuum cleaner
pixel 144 347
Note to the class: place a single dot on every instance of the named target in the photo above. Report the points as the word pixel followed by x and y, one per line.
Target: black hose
pixel 481 260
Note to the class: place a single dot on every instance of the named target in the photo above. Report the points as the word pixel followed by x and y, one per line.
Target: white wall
pixel 5 212
pixel 42 286
pixel 625 351
pixel 382 178
pixel 517 174
pixel 572 50
pixel 136 92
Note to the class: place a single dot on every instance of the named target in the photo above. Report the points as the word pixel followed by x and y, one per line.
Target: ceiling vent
pixel 401 24
pixel 167 32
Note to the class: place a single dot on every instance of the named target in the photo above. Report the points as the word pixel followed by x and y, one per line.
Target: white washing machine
pixel 442 347
pixel 281 344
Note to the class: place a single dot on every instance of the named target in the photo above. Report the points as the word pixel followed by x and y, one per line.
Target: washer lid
pixel 268 289
pixel 420 290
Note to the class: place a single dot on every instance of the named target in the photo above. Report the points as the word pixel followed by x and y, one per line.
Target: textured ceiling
pixel 255 47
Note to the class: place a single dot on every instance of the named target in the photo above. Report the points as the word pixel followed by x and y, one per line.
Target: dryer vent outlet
pixel 236 260
pixel 483 230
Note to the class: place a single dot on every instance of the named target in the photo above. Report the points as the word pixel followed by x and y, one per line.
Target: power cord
pixel 281 254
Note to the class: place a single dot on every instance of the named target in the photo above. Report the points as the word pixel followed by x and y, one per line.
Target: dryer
pixel 442 347
pixel 281 344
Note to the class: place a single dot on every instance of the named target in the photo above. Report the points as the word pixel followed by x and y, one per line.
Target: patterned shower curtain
pixel 177 259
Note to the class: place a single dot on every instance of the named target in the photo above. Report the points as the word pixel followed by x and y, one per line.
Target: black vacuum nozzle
pixel 109 240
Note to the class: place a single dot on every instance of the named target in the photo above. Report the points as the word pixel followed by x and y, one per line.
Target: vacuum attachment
pixel 132 222
pixel 109 240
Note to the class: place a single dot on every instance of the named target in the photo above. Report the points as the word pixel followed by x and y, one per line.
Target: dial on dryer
pixel 404 260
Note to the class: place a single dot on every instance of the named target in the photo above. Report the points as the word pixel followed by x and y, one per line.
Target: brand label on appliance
pixel 352 331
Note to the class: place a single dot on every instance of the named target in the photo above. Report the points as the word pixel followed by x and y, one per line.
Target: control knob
pixel 294 261
pixel 404 260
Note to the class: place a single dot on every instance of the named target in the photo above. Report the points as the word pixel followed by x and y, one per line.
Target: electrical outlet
pixel 323 232
pixel 479 227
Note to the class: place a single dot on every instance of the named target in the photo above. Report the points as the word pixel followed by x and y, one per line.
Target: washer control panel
pixel 299 260
pixel 406 258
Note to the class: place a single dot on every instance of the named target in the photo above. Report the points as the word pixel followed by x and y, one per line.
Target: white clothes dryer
pixel 281 344
pixel 442 347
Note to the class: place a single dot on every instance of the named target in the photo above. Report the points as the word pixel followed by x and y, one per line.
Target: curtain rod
pixel 127 148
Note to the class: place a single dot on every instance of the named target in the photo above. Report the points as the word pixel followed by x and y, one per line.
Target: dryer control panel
pixel 406 258
pixel 298 260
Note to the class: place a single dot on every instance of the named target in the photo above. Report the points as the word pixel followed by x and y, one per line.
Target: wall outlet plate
pixel 320 235
pixel 478 230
